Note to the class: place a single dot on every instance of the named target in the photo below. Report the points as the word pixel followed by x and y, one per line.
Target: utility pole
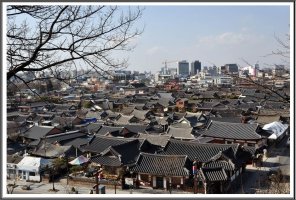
pixel 115 188
pixel 97 180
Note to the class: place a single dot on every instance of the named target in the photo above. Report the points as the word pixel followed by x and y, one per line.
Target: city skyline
pixel 215 35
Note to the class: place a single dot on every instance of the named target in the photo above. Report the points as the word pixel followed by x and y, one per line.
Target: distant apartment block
pixel 195 67
pixel 228 69
pixel 278 70
pixel 209 71
pixel 183 68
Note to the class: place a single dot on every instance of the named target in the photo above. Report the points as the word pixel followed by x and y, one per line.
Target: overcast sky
pixel 212 34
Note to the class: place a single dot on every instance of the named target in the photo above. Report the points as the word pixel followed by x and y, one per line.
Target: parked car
pixel 288 142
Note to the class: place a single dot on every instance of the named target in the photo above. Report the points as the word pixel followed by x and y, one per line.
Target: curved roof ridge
pixel 161 155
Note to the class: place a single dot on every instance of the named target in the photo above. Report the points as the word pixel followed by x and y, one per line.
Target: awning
pixel 79 160
pixel 277 129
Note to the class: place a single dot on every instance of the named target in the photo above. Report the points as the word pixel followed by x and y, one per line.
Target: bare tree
pixel 283 51
pixel 277 185
pixel 47 41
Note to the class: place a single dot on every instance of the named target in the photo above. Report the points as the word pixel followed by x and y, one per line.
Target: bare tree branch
pixel 59 36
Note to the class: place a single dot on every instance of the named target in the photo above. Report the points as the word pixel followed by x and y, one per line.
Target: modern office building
pixel 228 69
pixel 183 68
pixel 278 70
pixel 195 67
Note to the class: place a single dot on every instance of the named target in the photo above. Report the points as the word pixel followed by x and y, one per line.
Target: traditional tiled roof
pixel 225 159
pixel 162 165
pixel 135 128
pixel 159 140
pixel 165 102
pixel 127 110
pixel 117 155
pixel 203 140
pixel 176 115
pixel 92 114
pixel 54 151
pixel 213 174
pixel 21 118
pixel 140 99
pixel 221 163
pixel 14 147
pixel 183 133
pixel 15 127
pixel 214 105
pixel 106 160
pixel 194 120
pixel 37 132
pixel 101 143
pixel 63 107
pixel 77 142
pixel 128 152
pixel 140 114
pixel 60 138
pixel 164 95
pixel 181 99
pixel 123 100
pixel 36 104
pixel 12 114
pixel 232 131
pixel 14 159
pixel 266 119
pixel 64 120
pixel 182 123
pixel 227 119
pixel 111 114
pixel 206 94
pixel 124 119
pixel 108 129
pixel 162 120
pixel 202 152
pixel 93 127
pixel 276 105
pixel 150 104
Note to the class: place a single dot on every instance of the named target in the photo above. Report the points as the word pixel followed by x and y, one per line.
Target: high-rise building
pixel 183 68
pixel 195 67
pixel 228 69
pixel 278 70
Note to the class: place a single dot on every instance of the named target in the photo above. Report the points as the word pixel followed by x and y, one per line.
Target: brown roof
pixel 266 119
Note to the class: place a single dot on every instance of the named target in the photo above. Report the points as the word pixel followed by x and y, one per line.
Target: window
pixel 251 145
pixel 31 173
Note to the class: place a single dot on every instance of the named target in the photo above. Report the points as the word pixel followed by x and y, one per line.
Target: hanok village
pixel 81 120
pixel 196 141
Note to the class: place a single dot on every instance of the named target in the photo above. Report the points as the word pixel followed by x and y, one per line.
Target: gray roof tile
pixel 232 131
pixel 163 165
pixel 202 152
pixel 213 174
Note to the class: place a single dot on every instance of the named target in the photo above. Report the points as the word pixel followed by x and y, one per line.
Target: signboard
pixel 129 181
pixel 194 169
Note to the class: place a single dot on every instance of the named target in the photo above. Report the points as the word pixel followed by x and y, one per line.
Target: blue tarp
pixel 89 120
